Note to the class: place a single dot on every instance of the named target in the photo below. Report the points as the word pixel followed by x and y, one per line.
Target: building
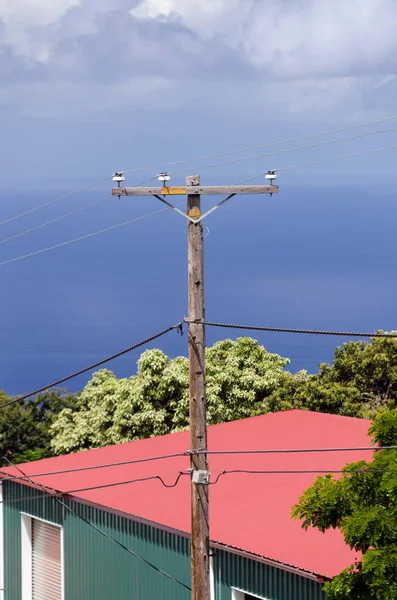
pixel 52 551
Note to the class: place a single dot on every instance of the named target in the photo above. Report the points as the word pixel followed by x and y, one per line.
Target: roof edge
pixel 271 562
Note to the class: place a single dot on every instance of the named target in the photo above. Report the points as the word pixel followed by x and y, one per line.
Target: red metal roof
pixel 248 512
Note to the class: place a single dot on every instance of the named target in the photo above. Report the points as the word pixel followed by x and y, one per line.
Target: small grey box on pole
pixel 197 400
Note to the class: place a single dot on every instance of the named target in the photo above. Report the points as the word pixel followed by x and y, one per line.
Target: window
pixel 240 595
pixel 41 560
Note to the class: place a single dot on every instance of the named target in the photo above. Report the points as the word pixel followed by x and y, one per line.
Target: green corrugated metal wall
pixel 259 579
pixel 97 569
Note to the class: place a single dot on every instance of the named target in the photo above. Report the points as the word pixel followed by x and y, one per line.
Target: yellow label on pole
pixel 194 212
pixel 173 191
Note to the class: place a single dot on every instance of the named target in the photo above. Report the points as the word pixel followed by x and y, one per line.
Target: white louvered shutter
pixel 46 561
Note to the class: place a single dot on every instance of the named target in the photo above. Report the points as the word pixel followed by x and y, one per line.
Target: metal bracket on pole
pixel 211 210
pixel 164 201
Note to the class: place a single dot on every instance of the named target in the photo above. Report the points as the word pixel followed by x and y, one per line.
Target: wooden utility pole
pixel 197 400
pixel 200 551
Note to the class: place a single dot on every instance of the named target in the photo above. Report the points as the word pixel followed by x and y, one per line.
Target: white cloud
pixel 293 57
pixel 207 16
pixel 24 20
pixel 297 38
pixel 26 13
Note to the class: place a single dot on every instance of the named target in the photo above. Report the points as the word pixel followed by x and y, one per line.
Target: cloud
pixel 292 38
pixel 24 20
pixel 27 13
pixel 294 57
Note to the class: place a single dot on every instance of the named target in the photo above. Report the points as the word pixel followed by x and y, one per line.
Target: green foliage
pixel 243 380
pixel 25 427
pixel 361 382
pixel 362 503
pixel 311 392
pixel 370 367
pixel 155 401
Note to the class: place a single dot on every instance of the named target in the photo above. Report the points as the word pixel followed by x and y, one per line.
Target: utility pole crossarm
pixel 208 190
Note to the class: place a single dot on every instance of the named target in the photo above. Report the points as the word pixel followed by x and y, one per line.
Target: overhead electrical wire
pixel 299 472
pixel 102 466
pixel 104 534
pixel 209 452
pixel 57 493
pixel 199 158
pixel 65 216
pixel 58 199
pixel 335 158
pixel 179 327
pixel 259 146
pixel 195 452
pixel 295 450
pixel 288 150
pixel 83 237
pixel 297 331
pixel 128 482
pixel 75 212
pixel 74 240
pixel 91 367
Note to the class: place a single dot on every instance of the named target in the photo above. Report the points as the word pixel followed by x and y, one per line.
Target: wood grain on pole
pixel 197 401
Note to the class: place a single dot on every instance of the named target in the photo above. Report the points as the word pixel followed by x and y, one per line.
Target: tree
pixel 25 427
pixel 312 392
pixel 361 382
pixel 370 367
pixel 363 506
pixel 155 401
pixel 17 430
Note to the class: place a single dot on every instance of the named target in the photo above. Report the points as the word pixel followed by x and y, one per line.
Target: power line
pixel 53 493
pixel 258 147
pixel 298 331
pixel 209 452
pixel 300 450
pixel 332 159
pixel 70 214
pixel 104 466
pixel 288 150
pixel 300 472
pixel 207 157
pixel 91 367
pixel 317 162
pixel 83 237
pixel 118 483
pixel 104 534
pixel 17 235
pixel 32 210
pixel 56 493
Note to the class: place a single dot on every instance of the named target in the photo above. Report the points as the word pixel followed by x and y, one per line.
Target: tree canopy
pixel 240 374
pixel 361 381
pixel 362 504
pixel 25 432
pixel 243 380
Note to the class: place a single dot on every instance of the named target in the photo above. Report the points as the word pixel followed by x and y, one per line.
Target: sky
pixel 94 86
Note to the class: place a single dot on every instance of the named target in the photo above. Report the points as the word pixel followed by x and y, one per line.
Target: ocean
pixel 311 257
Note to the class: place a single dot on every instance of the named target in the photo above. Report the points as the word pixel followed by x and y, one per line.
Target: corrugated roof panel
pixel 250 512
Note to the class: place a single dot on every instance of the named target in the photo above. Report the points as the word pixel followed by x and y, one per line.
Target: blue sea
pixel 311 257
